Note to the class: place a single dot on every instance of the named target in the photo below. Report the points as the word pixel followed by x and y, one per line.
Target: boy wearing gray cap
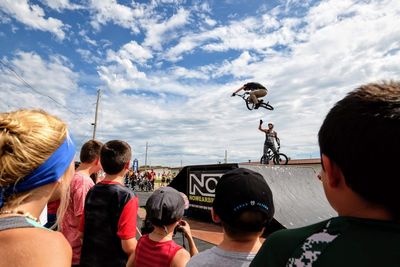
pixel 243 204
pixel 164 210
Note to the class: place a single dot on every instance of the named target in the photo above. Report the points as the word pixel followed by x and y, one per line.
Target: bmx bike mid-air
pixel 250 105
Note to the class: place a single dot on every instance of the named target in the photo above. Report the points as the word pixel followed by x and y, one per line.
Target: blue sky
pixel 166 68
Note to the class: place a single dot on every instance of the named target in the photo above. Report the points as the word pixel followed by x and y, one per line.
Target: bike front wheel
pixel 280 159
pixel 264 159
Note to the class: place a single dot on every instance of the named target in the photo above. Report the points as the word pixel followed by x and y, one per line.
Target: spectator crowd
pixel 94 222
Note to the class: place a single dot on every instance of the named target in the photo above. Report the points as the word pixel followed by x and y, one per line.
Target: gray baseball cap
pixel 165 206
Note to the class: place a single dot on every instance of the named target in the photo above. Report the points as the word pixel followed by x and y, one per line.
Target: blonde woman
pixel 36 162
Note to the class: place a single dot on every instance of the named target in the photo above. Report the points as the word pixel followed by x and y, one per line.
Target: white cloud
pixel 55 89
pixel 176 2
pixel 156 33
pixel 238 68
pixel 180 72
pixel 121 76
pixel 33 16
pixel 86 38
pixel 132 51
pixel 246 34
pixel 121 72
pixel 201 7
pixel 53 78
pixel 210 22
pixel 59 5
pixel 185 45
pixel 4 19
pixel 106 11
pixel 88 56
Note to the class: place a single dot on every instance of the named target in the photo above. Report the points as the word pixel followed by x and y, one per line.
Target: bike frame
pixel 271 155
pixel 250 105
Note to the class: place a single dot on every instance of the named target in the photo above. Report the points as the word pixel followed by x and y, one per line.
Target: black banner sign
pixel 201 188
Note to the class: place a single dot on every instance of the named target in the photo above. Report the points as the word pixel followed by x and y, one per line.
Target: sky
pixel 166 69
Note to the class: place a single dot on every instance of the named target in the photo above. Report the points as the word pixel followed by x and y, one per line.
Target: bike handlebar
pixel 242 95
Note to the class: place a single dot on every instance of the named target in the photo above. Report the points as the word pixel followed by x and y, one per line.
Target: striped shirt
pixel 150 253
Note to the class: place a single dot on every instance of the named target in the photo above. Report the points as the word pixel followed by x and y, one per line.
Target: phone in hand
pixel 179 228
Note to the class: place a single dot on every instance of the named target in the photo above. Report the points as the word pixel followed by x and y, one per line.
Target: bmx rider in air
pixel 257 91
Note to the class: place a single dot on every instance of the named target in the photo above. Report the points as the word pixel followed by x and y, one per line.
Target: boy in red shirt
pixel 164 210
pixel 109 224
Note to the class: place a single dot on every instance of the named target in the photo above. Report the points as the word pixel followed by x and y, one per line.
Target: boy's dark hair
pixel 90 151
pixel 147 226
pixel 114 156
pixel 361 134
pixel 254 222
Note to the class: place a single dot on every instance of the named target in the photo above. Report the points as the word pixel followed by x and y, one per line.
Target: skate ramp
pixel 299 197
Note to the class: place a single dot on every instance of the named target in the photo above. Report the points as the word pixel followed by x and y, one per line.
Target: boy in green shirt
pixel 359 143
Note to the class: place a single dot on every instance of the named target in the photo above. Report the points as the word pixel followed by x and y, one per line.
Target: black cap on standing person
pixel 243 201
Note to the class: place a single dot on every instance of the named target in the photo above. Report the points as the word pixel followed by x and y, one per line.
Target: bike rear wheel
pixel 267 106
pixel 280 159
pixel 249 104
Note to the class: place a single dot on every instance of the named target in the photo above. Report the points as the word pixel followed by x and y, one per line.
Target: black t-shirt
pixel 104 206
pixel 253 86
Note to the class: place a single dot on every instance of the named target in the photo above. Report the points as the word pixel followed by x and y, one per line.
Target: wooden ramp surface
pixel 299 197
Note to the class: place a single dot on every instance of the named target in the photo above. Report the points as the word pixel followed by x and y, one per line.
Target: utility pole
pixel 145 159
pixel 95 116
pixel 226 156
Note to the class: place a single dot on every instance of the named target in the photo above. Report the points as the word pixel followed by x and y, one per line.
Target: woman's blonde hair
pixel 27 139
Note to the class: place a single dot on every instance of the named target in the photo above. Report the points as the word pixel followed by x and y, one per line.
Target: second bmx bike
pixel 277 159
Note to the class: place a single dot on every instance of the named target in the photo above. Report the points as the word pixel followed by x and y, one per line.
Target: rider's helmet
pixel 271 123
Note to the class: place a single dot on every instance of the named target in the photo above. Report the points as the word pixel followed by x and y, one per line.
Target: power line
pixel 8 105
pixel 80 116
pixel 32 88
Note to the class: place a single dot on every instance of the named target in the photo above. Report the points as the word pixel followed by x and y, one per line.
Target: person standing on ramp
pixel 270 137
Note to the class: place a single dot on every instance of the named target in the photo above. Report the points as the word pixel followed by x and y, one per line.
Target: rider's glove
pixel 261 122
pixel 233 94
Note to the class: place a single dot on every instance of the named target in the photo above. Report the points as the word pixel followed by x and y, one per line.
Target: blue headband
pixel 50 171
